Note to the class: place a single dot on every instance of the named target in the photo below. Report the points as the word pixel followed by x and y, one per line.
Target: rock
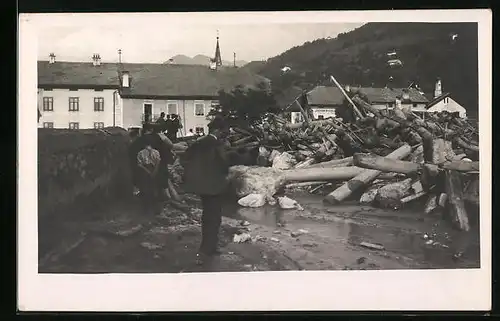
pixel 298 233
pixel 276 232
pixel 241 238
pixel 361 260
pixel 274 239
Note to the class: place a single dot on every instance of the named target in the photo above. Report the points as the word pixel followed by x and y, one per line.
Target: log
pixel 412 197
pixel 364 178
pixel 461 166
pixel 305 163
pixel 385 164
pixel 354 107
pixel 305 184
pixel 442 151
pixel 322 174
pixel 453 185
pixel 315 122
pixel 368 196
pixel 462 143
pixel 390 195
pixel 442 199
pixel 334 163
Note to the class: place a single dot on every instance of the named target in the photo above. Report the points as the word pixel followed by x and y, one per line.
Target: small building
pixel 324 101
pixel 442 102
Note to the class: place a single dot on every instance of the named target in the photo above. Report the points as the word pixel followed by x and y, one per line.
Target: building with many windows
pixel 95 95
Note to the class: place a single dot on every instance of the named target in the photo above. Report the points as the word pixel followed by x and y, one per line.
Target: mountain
pixel 200 60
pixel 427 51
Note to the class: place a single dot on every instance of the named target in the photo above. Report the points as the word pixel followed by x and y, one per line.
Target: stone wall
pixel 81 169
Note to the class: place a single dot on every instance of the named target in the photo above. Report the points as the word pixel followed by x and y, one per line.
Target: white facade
pixel 324 113
pixel 449 105
pixel 90 108
pixel 296 117
pixel 193 113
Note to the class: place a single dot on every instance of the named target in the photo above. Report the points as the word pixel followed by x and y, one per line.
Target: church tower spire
pixel 217 60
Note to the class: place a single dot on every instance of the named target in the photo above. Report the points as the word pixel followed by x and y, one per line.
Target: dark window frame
pixel 195 110
pixel 48 103
pixel 98 125
pixel 99 104
pixel 76 125
pixel 48 124
pixel 74 103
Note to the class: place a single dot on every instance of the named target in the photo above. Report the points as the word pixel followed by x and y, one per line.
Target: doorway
pixel 148 113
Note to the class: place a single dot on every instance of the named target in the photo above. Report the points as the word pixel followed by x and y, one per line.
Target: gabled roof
pixel 285 98
pixel 388 95
pixel 325 95
pixel 436 100
pixel 148 80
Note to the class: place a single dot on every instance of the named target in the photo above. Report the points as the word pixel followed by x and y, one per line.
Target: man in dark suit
pixel 206 166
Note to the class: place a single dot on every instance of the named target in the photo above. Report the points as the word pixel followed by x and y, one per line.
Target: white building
pixel 444 102
pixel 78 95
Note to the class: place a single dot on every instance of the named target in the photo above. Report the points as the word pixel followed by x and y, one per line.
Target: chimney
pixel 96 59
pixel 125 79
pixel 437 91
pixel 52 58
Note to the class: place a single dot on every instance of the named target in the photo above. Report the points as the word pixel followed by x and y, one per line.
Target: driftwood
pixel 390 195
pixel 456 199
pixel 366 177
pixel 333 163
pixel 385 164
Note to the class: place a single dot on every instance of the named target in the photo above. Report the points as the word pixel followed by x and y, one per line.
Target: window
pixel 199 131
pixel 98 89
pixel 321 117
pixel 391 105
pixel 415 105
pixel 98 125
pixel 98 104
pixel 74 104
pixel 171 108
pixel 73 89
pixel 48 125
pixel 446 100
pixel 48 103
pixel 74 125
pixel 48 89
pixel 199 109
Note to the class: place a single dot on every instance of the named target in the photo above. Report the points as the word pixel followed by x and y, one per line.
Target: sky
pixel 156 38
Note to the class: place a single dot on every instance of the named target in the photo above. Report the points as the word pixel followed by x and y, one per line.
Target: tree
pixel 246 105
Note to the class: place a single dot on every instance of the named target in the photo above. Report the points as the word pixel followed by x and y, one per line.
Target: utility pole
pixel 120 56
pixel 234 59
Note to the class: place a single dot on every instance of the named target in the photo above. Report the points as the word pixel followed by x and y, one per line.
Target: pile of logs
pixel 387 158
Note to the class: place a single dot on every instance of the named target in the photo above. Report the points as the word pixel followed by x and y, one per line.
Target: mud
pixel 320 237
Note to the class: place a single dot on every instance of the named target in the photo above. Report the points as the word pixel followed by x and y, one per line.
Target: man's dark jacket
pixel 206 166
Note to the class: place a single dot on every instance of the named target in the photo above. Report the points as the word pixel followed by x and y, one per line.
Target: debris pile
pixel 386 158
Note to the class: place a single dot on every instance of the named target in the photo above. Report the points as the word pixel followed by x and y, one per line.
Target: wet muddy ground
pixel 119 239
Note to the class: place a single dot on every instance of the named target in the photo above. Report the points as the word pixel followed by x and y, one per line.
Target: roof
pixel 388 95
pixel 286 97
pixel 148 80
pixel 325 95
pixel 436 100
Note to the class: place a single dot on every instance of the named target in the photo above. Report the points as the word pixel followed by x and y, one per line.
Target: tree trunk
pixel 333 163
pixel 364 178
pixel 385 164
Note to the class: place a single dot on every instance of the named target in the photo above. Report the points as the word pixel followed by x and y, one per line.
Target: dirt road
pixel 318 238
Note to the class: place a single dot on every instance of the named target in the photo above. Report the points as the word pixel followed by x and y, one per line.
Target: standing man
pixel 161 122
pixel 168 127
pixel 206 166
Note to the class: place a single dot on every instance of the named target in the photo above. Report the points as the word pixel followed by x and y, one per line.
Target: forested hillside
pixel 360 57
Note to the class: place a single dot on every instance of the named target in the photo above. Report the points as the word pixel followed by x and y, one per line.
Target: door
pixel 148 113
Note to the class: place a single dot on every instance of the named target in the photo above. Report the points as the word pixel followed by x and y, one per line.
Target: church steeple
pixel 217 60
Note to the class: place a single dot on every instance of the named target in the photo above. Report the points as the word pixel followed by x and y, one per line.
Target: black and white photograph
pixel 265 148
